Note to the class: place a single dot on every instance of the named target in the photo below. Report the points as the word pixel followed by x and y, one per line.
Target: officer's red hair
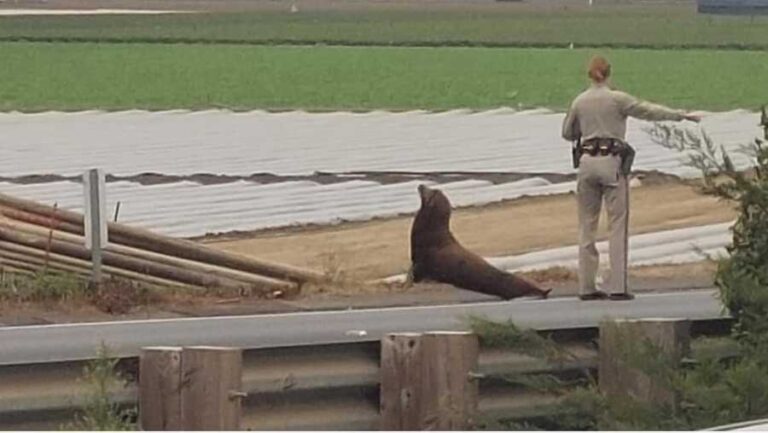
pixel 599 69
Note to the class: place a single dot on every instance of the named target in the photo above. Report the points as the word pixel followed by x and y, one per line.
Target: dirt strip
pixel 380 248
pixel 354 252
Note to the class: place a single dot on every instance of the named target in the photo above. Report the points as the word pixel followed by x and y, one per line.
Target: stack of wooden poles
pixel 35 237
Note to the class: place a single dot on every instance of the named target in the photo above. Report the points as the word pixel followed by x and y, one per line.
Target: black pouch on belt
pixel 576 152
pixel 627 155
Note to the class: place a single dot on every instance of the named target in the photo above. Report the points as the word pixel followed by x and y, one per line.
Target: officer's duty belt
pixel 600 146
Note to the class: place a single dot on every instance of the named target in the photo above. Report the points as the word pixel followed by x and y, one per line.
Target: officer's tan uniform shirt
pixel 600 112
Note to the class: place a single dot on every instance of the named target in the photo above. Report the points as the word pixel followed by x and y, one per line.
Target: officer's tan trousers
pixel 600 179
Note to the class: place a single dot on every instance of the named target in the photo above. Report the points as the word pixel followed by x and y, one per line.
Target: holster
pixel 576 152
pixel 627 155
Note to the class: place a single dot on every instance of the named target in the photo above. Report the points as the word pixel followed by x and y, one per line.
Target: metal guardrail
pixel 323 387
pixel 77 341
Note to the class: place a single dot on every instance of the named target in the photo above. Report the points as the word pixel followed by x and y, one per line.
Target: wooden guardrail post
pixel 400 376
pixel 211 389
pixel 452 363
pixel 623 344
pixel 194 388
pixel 428 381
pixel 160 388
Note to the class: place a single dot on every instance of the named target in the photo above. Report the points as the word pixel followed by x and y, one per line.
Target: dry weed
pixel 344 276
pixel 555 274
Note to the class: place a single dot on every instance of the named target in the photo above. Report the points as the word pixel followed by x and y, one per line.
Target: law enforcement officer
pixel 597 121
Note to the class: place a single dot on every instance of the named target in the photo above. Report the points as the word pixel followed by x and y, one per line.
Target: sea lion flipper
pixel 416 273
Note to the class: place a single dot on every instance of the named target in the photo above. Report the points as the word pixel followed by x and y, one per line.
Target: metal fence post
pixel 95 219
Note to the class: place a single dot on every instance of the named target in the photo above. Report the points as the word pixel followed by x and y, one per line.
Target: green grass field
pixel 493 24
pixel 75 76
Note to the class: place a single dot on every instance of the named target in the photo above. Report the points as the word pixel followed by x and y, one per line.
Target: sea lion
pixel 436 255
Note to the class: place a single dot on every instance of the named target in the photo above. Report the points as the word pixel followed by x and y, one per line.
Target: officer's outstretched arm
pixel 633 107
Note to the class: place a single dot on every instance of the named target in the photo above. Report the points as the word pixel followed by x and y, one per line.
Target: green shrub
pixel 43 286
pixel 743 276
pixel 100 411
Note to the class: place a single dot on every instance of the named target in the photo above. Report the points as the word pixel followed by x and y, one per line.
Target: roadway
pixel 78 341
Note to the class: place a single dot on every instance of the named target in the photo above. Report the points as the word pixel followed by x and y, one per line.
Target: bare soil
pixel 380 248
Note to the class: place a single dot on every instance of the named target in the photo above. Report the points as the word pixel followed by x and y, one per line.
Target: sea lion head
pixel 435 205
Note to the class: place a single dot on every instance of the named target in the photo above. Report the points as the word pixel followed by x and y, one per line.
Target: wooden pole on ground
pixel 66 263
pixel 246 278
pixel 18 265
pixel 43 263
pixel 624 345
pixel 211 390
pixel 428 381
pixel 195 278
pixel 160 388
pixel 41 220
pixel 144 239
